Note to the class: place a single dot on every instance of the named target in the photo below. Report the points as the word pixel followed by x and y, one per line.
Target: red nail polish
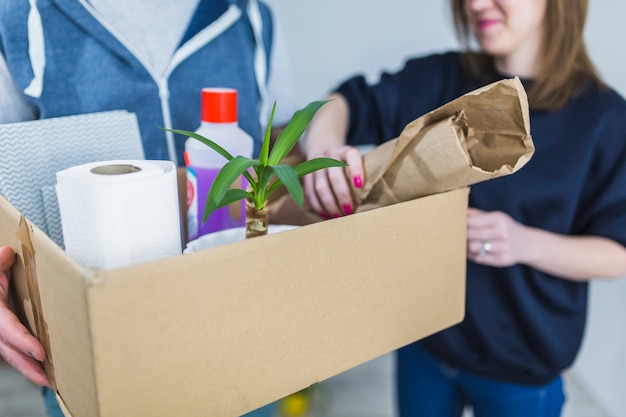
pixel 324 216
pixel 358 182
pixel 347 209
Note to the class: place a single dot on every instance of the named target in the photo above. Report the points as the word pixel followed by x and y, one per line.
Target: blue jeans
pixel 429 388
pixel 53 410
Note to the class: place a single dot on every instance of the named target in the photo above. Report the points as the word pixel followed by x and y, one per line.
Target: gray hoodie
pixel 60 57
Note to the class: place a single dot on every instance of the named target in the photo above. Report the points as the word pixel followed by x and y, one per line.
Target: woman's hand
pixel 328 190
pixel 494 238
pixel 17 346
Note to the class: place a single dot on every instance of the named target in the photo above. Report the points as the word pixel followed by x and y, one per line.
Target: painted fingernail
pixel 335 216
pixel 347 209
pixel 324 216
pixel 358 182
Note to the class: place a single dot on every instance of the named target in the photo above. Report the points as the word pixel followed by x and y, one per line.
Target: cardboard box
pixel 223 331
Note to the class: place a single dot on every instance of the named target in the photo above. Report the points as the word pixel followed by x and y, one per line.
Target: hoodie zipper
pixel 205 36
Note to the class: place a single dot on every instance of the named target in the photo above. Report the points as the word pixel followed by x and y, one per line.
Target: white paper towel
pixel 119 213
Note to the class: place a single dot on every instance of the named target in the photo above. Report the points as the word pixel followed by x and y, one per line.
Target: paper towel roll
pixel 119 213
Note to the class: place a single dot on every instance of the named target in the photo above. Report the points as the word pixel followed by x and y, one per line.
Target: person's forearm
pixel 577 258
pixel 328 128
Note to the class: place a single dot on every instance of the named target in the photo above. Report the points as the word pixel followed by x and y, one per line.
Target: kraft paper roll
pixel 119 213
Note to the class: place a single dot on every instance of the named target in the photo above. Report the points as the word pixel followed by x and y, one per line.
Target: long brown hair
pixel 566 68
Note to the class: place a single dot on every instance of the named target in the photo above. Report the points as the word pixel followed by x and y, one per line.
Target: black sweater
pixel 522 325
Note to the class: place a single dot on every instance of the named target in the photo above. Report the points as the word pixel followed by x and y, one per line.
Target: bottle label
pixel 192 204
pixel 199 180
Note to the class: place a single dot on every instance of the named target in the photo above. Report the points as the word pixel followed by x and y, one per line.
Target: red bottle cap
pixel 219 105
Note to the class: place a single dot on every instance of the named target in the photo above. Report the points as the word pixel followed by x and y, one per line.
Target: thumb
pixel 7 258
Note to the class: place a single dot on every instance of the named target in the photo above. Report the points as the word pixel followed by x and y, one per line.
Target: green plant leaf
pixel 287 139
pixel 232 170
pixel 266 167
pixel 233 195
pixel 312 165
pixel 265 175
pixel 265 148
pixel 208 142
pixel 217 148
pixel 288 177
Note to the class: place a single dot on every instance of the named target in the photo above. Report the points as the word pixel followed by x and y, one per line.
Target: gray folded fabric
pixel 32 152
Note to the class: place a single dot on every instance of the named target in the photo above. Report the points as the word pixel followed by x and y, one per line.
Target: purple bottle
pixel 219 123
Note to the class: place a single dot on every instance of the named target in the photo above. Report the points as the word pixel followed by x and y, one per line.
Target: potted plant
pixel 265 174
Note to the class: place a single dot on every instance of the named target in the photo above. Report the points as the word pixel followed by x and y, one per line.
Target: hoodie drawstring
pixel 36 51
pixel 260 60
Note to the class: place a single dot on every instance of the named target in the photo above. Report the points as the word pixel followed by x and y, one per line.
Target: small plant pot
pixel 257 221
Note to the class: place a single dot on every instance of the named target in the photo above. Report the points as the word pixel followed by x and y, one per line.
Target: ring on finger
pixel 485 248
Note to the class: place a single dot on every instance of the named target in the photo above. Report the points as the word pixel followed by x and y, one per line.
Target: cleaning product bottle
pixel 218 123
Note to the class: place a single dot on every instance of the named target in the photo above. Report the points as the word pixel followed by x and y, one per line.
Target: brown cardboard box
pixel 223 331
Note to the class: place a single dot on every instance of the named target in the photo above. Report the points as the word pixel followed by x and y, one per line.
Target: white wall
pixel 601 365
pixel 330 40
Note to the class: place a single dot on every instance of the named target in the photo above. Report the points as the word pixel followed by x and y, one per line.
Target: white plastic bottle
pixel 218 123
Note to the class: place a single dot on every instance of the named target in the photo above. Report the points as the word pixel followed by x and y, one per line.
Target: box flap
pixel 49 294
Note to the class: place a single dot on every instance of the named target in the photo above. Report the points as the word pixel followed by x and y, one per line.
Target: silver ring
pixel 485 248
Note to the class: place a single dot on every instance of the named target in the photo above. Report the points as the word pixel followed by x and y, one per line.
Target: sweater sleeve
pixel 603 207
pixel 13 104
pixel 373 109
pixel 379 112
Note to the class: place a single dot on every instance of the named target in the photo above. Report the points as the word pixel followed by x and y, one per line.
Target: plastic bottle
pixel 218 123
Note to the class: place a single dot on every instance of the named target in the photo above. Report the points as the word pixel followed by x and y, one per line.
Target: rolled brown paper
pixel 481 135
